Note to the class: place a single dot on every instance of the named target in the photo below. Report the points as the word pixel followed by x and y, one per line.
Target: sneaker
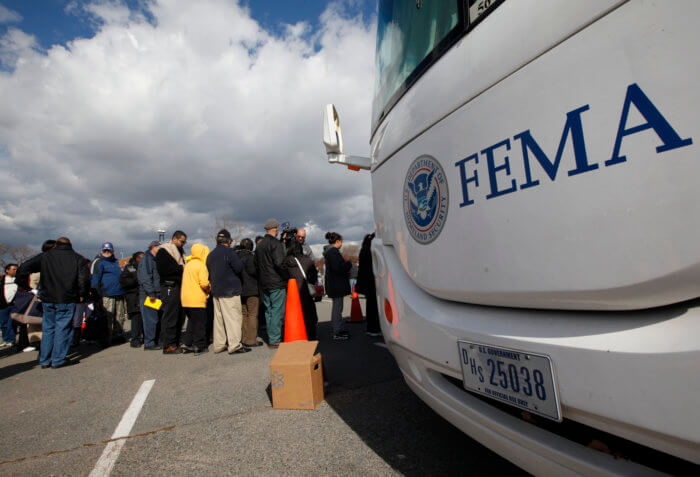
pixel 5 344
pixel 28 349
pixel 340 337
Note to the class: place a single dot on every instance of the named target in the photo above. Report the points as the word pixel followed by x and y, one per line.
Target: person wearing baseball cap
pixel 225 269
pixel 105 281
pixel 149 288
pixel 272 278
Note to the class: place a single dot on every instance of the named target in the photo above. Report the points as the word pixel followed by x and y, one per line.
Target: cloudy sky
pixel 119 117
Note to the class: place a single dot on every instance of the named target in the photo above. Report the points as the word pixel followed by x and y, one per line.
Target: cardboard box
pixel 296 376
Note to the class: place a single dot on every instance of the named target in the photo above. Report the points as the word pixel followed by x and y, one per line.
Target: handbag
pixel 310 287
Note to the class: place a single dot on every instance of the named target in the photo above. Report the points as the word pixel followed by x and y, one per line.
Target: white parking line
pixel 106 463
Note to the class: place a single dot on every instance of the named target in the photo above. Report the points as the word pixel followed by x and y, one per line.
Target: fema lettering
pixel 469 175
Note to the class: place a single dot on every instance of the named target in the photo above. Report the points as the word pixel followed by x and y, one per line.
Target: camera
pixel 289 233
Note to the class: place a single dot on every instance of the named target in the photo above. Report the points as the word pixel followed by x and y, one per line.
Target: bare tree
pixel 15 254
pixel 237 229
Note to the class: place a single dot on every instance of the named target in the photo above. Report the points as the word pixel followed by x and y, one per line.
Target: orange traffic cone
pixel 294 328
pixel 356 308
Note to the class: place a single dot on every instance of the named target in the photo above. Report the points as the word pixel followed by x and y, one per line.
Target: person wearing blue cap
pixel 105 281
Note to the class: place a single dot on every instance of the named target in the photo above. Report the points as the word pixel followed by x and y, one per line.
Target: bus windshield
pixel 409 33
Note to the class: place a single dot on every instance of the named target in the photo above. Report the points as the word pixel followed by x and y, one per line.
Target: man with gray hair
pixel 305 248
pixel 272 278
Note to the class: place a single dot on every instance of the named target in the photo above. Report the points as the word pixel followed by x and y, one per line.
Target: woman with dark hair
pixel 366 286
pixel 337 284
pixel 250 297
pixel 303 270
pixel 130 283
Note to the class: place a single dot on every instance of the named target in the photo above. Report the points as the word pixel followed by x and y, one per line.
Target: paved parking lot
pixel 212 414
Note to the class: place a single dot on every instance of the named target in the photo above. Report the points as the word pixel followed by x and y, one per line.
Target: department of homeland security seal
pixel 425 199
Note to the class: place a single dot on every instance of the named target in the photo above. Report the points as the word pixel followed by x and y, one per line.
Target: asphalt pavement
pixel 213 414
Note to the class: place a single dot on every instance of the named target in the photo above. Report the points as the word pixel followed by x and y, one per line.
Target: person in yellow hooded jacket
pixel 193 295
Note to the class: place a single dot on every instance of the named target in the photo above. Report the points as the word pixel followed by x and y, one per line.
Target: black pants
pixel 196 327
pixel 136 327
pixel 372 312
pixel 173 316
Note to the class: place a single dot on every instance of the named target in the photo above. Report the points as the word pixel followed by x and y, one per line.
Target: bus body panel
pixel 572 181
pixel 631 374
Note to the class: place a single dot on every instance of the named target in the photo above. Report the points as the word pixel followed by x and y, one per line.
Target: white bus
pixel 535 170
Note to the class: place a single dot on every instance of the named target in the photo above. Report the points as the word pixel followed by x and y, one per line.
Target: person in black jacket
pixel 170 263
pixel 337 284
pixel 130 283
pixel 250 298
pixel 365 285
pixel 302 269
pixel 225 269
pixel 272 277
pixel 64 282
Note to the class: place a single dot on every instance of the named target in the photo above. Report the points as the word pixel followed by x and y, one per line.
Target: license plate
pixel 521 379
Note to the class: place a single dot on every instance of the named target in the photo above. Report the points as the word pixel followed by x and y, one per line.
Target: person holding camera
pixel 337 284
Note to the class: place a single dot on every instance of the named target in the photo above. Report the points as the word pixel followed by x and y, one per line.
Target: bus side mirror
pixel 332 136
pixel 333 142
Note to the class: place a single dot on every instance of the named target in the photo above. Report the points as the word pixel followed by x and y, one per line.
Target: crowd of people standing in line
pixel 220 292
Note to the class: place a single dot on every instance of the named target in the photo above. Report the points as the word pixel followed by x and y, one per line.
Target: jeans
pixel 337 315
pixel 274 308
pixel 8 329
pixel 56 333
pixel 150 323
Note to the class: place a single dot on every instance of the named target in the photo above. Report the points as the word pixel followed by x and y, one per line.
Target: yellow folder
pixel 156 304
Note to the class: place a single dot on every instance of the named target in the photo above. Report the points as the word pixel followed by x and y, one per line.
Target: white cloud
pixel 9 16
pixel 197 113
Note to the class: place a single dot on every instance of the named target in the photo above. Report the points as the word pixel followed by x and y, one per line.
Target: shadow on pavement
pixel 78 352
pixel 367 390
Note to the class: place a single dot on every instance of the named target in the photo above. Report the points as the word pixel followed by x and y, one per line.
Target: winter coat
pixel 105 278
pixel 308 306
pixel 130 283
pixel 25 270
pixel 249 274
pixel 65 278
pixel 365 276
pixel 169 270
pixel 195 279
pixel 272 272
pixel 337 269
pixel 225 270
pixel 149 280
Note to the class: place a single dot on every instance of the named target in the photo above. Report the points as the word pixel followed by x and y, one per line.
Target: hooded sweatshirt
pixel 195 279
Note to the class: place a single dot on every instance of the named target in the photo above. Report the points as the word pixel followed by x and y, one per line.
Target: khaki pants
pixel 250 306
pixel 228 321
pixel 115 311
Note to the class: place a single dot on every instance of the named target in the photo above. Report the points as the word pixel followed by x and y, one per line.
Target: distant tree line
pixel 15 253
